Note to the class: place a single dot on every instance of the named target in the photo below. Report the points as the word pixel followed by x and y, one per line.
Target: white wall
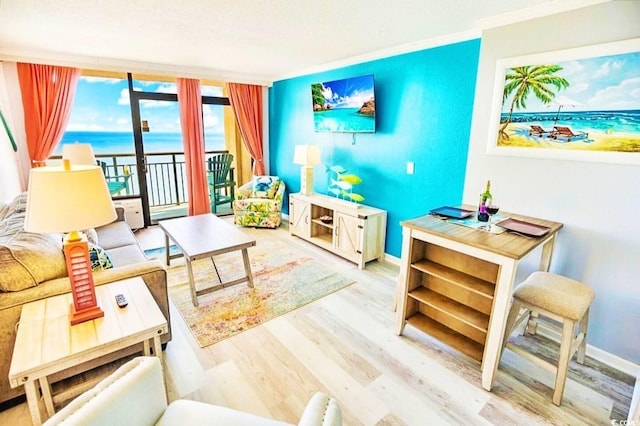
pixel 11 177
pixel 598 203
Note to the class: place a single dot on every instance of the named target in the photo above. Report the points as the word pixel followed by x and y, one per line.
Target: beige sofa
pixel 135 395
pixel 32 267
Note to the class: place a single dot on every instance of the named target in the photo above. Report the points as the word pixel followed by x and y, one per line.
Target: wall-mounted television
pixel 346 105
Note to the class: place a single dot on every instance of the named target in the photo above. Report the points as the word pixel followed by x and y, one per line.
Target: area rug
pixel 284 279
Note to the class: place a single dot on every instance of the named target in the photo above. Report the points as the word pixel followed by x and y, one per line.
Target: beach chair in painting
pixel 563 132
pixel 538 131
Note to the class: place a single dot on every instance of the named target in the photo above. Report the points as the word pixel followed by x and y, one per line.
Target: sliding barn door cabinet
pixel 353 231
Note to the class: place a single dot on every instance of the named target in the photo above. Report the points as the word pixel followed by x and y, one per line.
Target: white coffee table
pixel 46 343
pixel 202 236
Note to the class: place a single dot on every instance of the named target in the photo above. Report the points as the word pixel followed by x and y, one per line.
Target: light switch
pixel 410 167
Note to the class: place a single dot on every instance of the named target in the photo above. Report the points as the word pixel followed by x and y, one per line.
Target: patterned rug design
pixel 284 279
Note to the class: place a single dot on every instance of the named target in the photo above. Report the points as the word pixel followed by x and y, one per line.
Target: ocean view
pixel 122 142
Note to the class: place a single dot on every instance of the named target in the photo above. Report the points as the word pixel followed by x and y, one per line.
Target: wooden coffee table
pixel 203 236
pixel 46 343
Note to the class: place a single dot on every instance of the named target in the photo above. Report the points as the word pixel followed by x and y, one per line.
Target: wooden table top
pixel 205 235
pixel 508 244
pixel 46 342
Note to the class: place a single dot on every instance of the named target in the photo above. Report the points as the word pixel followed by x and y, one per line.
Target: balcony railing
pixel 165 176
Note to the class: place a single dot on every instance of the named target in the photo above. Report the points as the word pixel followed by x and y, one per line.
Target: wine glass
pixel 492 208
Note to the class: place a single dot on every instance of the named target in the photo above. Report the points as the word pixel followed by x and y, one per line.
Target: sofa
pixel 258 203
pixel 135 395
pixel 32 267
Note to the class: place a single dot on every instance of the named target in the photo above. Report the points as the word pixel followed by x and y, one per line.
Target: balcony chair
pixel 135 394
pixel 116 183
pixel 221 180
pixel 259 203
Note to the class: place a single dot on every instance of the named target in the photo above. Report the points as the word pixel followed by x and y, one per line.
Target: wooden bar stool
pixel 561 299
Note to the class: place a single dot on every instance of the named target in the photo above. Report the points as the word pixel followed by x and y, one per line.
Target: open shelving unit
pixel 450 296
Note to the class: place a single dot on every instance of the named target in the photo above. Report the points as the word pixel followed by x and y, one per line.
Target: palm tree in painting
pixel 522 81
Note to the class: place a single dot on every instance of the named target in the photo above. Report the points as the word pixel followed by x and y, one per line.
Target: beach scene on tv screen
pixel 346 105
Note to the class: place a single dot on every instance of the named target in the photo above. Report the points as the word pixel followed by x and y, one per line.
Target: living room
pixel 434 110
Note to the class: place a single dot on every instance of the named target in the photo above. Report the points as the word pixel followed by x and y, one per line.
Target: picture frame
pixel 575 104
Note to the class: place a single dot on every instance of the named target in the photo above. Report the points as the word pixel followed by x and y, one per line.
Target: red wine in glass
pixel 492 208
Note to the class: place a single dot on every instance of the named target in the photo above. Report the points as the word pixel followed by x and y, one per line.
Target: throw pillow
pixel 265 186
pixel 99 258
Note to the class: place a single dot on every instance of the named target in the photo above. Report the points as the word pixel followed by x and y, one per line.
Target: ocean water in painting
pixel 626 121
pixel 343 120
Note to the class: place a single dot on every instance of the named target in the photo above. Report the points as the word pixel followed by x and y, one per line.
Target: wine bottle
pixel 485 200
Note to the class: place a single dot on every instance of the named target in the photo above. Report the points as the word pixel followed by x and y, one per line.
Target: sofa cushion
pixel 115 234
pixel 99 258
pixel 265 186
pixel 126 255
pixel 27 258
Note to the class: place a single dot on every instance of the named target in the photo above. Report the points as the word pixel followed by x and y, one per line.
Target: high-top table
pixel 455 283
pixel 46 343
pixel 206 235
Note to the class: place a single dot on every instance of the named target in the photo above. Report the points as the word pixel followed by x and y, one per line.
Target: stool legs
pixel 582 348
pixel 568 328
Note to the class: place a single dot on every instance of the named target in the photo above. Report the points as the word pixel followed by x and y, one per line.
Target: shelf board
pixel 450 307
pixel 447 336
pixel 321 223
pixel 323 240
pixel 469 282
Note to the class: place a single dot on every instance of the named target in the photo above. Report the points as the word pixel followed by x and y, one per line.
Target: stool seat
pixel 566 301
pixel 557 294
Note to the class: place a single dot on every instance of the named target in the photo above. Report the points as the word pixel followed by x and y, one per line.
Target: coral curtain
pixel 190 101
pixel 47 96
pixel 246 101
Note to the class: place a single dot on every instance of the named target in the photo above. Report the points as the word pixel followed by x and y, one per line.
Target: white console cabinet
pixel 354 231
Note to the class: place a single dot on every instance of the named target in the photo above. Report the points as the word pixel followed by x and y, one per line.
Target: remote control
pixel 121 301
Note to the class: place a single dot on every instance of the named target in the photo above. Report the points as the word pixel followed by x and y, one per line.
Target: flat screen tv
pixel 346 105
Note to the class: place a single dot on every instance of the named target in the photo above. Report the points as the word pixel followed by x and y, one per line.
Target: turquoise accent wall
pixel 424 103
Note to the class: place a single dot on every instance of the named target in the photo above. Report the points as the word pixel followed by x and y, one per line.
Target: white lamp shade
pixel 79 153
pixel 61 200
pixel 306 155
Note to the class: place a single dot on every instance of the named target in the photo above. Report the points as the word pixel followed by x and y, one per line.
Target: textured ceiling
pixel 241 40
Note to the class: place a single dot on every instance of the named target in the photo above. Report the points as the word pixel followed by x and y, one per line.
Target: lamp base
pixel 76 317
pixel 306 180
pixel 85 302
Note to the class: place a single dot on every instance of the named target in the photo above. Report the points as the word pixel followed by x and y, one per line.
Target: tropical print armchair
pixel 259 202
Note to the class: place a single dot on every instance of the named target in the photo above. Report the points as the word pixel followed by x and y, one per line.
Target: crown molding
pixel 122 65
pixel 386 53
pixel 534 12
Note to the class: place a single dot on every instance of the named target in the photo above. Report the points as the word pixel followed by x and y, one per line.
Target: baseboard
pixel 392 259
pixel 598 354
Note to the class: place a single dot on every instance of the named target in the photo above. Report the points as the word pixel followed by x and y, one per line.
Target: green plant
pixel 341 184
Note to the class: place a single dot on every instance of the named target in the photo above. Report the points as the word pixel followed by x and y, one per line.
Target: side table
pixel 46 343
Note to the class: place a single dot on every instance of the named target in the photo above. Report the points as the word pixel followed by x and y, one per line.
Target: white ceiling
pixel 245 40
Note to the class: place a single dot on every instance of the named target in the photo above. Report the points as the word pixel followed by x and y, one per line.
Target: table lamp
pixel 79 153
pixel 307 156
pixel 70 198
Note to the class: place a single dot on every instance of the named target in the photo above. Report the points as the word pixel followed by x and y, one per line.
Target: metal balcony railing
pixel 165 176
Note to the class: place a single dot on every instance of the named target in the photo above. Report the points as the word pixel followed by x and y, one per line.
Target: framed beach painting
pixel 578 104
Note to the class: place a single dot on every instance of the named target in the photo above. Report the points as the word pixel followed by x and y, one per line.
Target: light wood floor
pixel 344 344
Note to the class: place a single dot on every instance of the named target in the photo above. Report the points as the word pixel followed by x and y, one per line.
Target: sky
pixel 595 84
pixel 102 105
pixel 350 92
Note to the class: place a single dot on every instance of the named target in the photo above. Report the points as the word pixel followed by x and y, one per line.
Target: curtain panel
pixel 47 95
pixel 246 101
pixel 190 100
